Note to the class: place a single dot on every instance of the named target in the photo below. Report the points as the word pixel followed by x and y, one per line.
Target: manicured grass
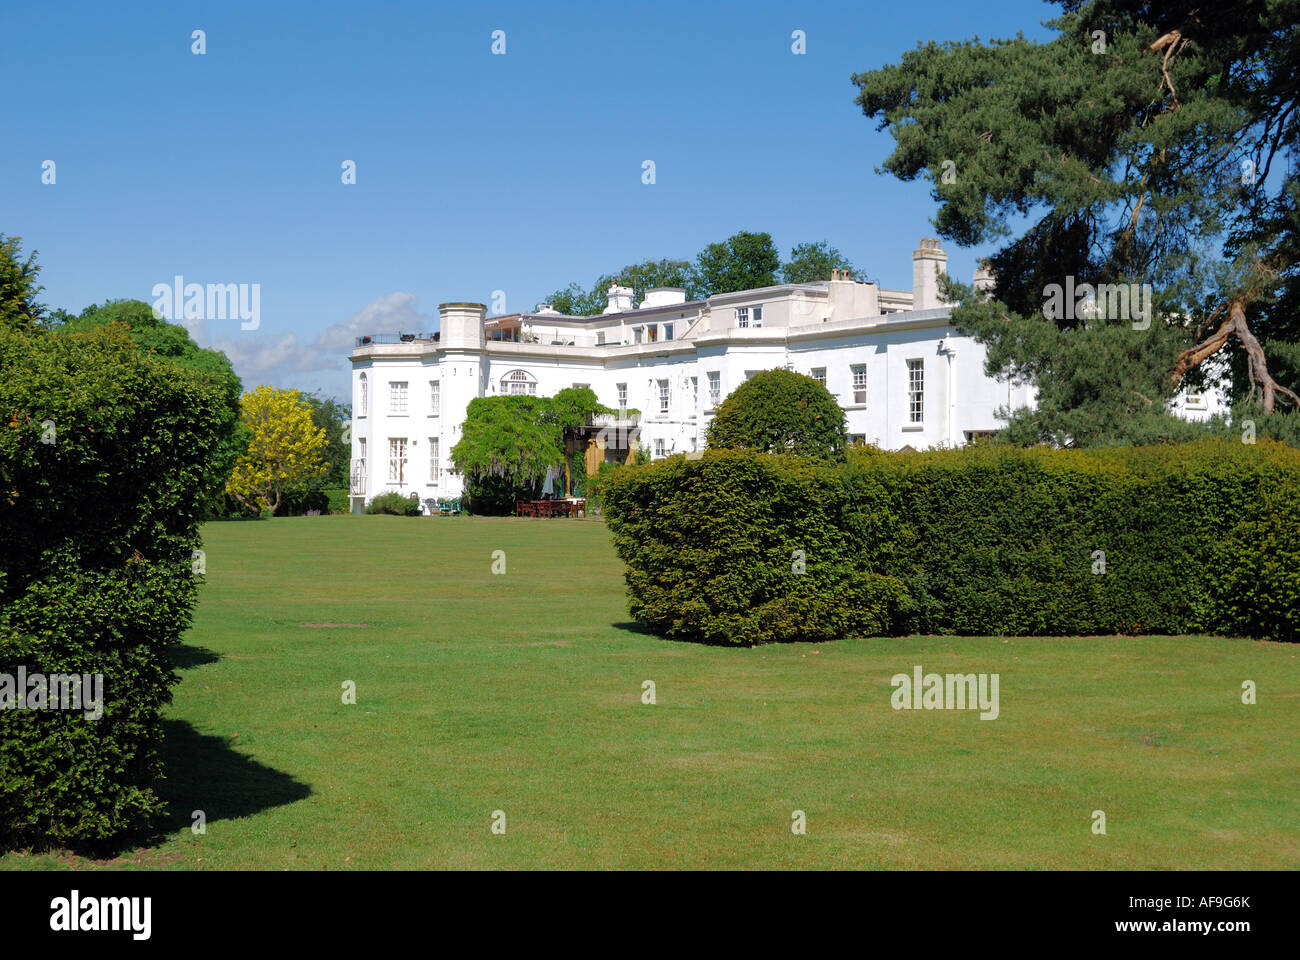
pixel 522 693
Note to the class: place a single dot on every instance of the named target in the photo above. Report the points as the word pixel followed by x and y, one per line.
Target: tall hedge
pixel 985 540
pixel 105 461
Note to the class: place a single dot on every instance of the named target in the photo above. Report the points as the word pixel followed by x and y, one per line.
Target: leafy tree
pixel 577 302
pixel 172 342
pixel 18 286
pixel 105 450
pixel 334 418
pixel 744 261
pixel 1139 146
pixel 812 262
pixel 780 411
pixel 285 450
pixel 508 443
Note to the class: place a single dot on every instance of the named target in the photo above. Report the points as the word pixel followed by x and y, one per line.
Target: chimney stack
pixel 620 299
pixel 928 261
pixel 984 279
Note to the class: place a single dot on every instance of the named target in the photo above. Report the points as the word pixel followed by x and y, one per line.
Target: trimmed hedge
pixel 105 464
pixel 395 504
pixel 987 540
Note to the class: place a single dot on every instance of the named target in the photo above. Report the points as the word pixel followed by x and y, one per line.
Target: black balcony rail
pixel 371 339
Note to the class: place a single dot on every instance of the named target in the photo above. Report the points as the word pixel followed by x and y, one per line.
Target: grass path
pixel 522 693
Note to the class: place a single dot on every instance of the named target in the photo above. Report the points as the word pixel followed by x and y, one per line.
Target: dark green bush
pixel 106 456
pixel 711 546
pixel 780 411
pixel 295 503
pixel 336 499
pixel 1255 587
pixel 495 495
pixel 986 540
pixel 394 504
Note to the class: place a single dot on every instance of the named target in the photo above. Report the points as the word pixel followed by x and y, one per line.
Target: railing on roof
pixel 396 338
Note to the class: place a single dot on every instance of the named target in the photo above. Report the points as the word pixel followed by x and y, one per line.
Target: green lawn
pixel 522 693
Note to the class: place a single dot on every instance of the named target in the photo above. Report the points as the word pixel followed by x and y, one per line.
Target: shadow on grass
pixel 204 773
pixel 185 655
pixel 632 627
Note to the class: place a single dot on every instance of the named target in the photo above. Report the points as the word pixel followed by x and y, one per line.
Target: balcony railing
pixel 371 339
pixel 623 419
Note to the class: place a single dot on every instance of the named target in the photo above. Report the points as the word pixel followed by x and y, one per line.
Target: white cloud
pixel 321 364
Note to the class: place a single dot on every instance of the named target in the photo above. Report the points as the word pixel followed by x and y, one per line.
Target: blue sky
pixel 474 172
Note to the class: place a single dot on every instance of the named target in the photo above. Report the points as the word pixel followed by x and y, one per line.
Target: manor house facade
pixel 898 367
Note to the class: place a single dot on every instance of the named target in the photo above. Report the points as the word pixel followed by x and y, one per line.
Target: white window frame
pixel 359 470
pixel 435 464
pixel 858 383
pixel 756 319
pixel 622 395
pixel 742 317
pixel 399 392
pixel 521 379
pixel 435 398
pixel 397 460
pixel 665 396
pixel 365 396
pixel 916 390
pixel 819 374
pixel 714 380
pixel 661 448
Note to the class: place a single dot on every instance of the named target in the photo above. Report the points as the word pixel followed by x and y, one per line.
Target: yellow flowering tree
pixel 286 449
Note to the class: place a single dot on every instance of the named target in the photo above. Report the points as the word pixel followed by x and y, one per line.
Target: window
pixel 518 382
pixel 600 337
pixel 819 374
pixel 582 386
pixel 859 377
pixel 742 316
pixel 365 395
pixel 758 317
pixel 668 331
pixel 433 461
pixel 695 394
pixel 652 333
pixel 622 396
pixel 916 391
pixel 715 388
pixel 435 397
pixel 396 459
pixel 857 439
pixel 397 396
pixel 660 450
pixel 359 469
pixel 638 334
pixel 663 395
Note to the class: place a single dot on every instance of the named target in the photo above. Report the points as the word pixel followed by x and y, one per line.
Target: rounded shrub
pixel 780 411
pixel 394 504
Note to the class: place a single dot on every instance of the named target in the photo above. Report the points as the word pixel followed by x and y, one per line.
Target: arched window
pixel 363 399
pixel 518 382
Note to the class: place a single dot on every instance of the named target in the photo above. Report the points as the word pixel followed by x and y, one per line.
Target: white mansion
pixel 902 373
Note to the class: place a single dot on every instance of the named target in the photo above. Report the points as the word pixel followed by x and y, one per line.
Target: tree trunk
pixel 1257 364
